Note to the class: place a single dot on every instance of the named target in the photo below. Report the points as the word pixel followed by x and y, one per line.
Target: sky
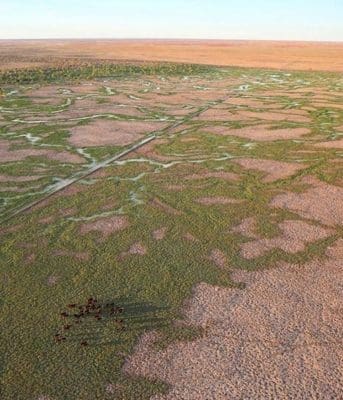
pixel 317 20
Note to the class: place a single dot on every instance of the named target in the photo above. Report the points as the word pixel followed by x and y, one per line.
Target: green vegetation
pixel 49 259
pixel 98 70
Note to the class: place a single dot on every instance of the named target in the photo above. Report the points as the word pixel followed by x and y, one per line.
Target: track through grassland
pixel 219 239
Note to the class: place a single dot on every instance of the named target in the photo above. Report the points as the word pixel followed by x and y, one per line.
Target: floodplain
pixel 184 239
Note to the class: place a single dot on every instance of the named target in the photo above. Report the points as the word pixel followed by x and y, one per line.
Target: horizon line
pixel 173 39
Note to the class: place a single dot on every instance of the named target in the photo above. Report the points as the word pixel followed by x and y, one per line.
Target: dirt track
pixel 215 196
pixel 259 54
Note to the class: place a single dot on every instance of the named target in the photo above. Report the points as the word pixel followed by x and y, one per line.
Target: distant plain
pixel 258 54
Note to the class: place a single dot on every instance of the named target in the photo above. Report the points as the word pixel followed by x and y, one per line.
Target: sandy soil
pixel 293 238
pixel 273 54
pixel 107 132
pixel 71 190
pixel 218 258
pixel 16 189
pixel 274 170
pixel 214 114
pixel 245 101
pixel 148 151
pixel 77 111
pixel 328 105
pixel 332 144
pixel 336 251
pixel 8 155
pixel 247 228
pixel 10 178
pixel 48 94
pixel 279 338
pixel 261 133
pixel 321 202
pixel 273 116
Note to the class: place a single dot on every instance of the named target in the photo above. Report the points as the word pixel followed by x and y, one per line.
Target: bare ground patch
pixel 328 105
pixel 245 101
pixel 149 151
pixel 332 144
pixel 107 132
pixel 274 170
pixel 67 212
pixel 273 116
pixel 11 178
pixel 180 112
pixel 106 226
pixel 17 189
pixel 175 99
pixel 218 258
pixel 189 237
pixel 336 250
pixel 214 114
pixel 71 190
pixel 322 202
pixel 30 258
pixel 89 108
pixel 48 94
pixel 47 220
pixel 260 132
pixel 274 95
pixel 10 229
pixel 279 338
pixel 160 233
pixel 217 200
pixel 84 88
pixel 137 248
pixel 294 237
pixel 247 227
pixel 228 176
pixel 8 155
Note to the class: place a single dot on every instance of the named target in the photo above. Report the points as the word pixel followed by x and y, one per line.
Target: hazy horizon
pixel 310 21
pixel 166 39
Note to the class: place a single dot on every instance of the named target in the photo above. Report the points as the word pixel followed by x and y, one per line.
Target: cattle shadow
pixel 111 322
